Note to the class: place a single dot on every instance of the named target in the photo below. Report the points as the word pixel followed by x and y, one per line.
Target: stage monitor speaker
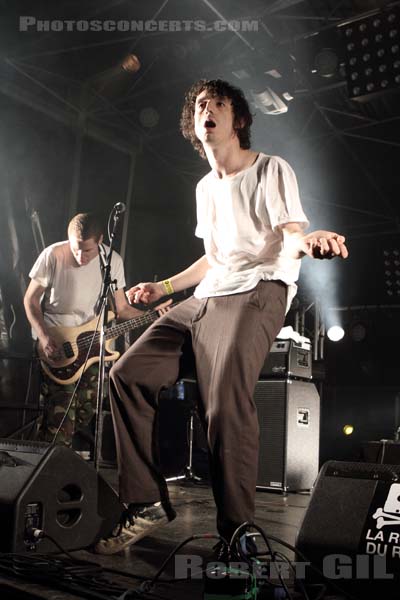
pixel 51 488
pixel 288 413
pixel 351 528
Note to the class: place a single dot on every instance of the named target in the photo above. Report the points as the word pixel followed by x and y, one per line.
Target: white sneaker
pixel 134 526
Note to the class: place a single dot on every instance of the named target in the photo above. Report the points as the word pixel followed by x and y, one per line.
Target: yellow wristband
pixel 168 286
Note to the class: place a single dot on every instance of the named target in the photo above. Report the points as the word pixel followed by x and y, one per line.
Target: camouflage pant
pixel 55 398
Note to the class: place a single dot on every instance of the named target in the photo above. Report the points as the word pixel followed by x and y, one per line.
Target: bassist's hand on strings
pixel 164 307
pixel 49 348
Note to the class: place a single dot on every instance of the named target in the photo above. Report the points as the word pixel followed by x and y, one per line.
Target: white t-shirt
pixel 239 219
pixel 71 290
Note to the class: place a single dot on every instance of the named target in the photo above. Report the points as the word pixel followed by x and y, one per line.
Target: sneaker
pixel 248 547
pixel 134 526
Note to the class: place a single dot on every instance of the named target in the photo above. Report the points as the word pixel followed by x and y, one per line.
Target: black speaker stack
pixel 288 407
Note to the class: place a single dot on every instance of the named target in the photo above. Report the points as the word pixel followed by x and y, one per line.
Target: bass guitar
pixel 78 343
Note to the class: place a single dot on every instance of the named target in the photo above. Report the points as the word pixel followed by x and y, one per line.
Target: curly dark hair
pixel 217 87
pixel 85 226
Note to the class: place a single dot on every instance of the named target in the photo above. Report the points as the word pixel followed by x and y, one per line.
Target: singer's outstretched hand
pixel 146 292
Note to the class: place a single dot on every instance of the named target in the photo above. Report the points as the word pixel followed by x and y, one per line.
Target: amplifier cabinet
pixel 288 359
pixel 289 415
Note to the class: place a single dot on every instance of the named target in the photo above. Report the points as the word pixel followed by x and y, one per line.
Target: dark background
pixel 74 137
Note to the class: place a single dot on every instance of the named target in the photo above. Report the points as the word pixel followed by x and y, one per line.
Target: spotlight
pixel 116 80
pixel 268 102
pixel 335 333
pixel 131 63
pixel 348 429
pixel 326 62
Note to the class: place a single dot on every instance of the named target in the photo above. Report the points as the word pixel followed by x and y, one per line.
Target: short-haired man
pixel 252 223
pixel 65 285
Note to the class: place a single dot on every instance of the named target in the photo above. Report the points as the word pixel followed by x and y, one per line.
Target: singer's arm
pixel 151 292
pixel 124 309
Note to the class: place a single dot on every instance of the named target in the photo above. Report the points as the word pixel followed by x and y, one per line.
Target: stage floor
pixel 277 514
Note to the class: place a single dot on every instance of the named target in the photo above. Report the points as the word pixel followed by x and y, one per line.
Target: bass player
pixel 65 284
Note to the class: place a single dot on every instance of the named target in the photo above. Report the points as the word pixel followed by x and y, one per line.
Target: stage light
pixel 372 50
pixel 149 117
pixel 116 80
pixel 131 63
pixel 335 333
pixel 268 79
pixel 348 429
pixel 391 264
pixel 358 331
pixel 268 102
pixel 326 63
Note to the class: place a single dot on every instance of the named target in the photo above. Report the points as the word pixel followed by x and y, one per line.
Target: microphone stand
pixel 103 311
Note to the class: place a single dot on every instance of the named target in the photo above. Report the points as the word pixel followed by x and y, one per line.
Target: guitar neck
pixel 146 319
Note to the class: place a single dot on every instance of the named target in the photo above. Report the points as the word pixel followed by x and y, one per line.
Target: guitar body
pixel 74 343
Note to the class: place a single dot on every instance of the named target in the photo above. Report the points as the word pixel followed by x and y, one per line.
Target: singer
pixel 250 218
pixel 66 280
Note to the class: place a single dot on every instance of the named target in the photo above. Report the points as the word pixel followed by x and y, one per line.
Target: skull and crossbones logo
pixel 390 513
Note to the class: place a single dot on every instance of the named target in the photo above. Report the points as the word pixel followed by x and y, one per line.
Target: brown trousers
pixel 230 337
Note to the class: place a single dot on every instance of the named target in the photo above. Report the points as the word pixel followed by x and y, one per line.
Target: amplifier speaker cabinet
pixel 289 415
pixel 385 452
pixel 288 358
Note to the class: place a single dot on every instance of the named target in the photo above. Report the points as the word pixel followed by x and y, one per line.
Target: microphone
pixel 119 208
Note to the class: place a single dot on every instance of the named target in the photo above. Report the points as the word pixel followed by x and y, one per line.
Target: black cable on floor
pixel 79 578
pixel 330 583
pixel 204 536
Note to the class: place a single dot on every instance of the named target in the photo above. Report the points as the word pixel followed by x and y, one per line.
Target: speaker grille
pixel 288 413
pixel 269 397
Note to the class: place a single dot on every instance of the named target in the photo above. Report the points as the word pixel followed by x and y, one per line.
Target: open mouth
pixel 209 124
